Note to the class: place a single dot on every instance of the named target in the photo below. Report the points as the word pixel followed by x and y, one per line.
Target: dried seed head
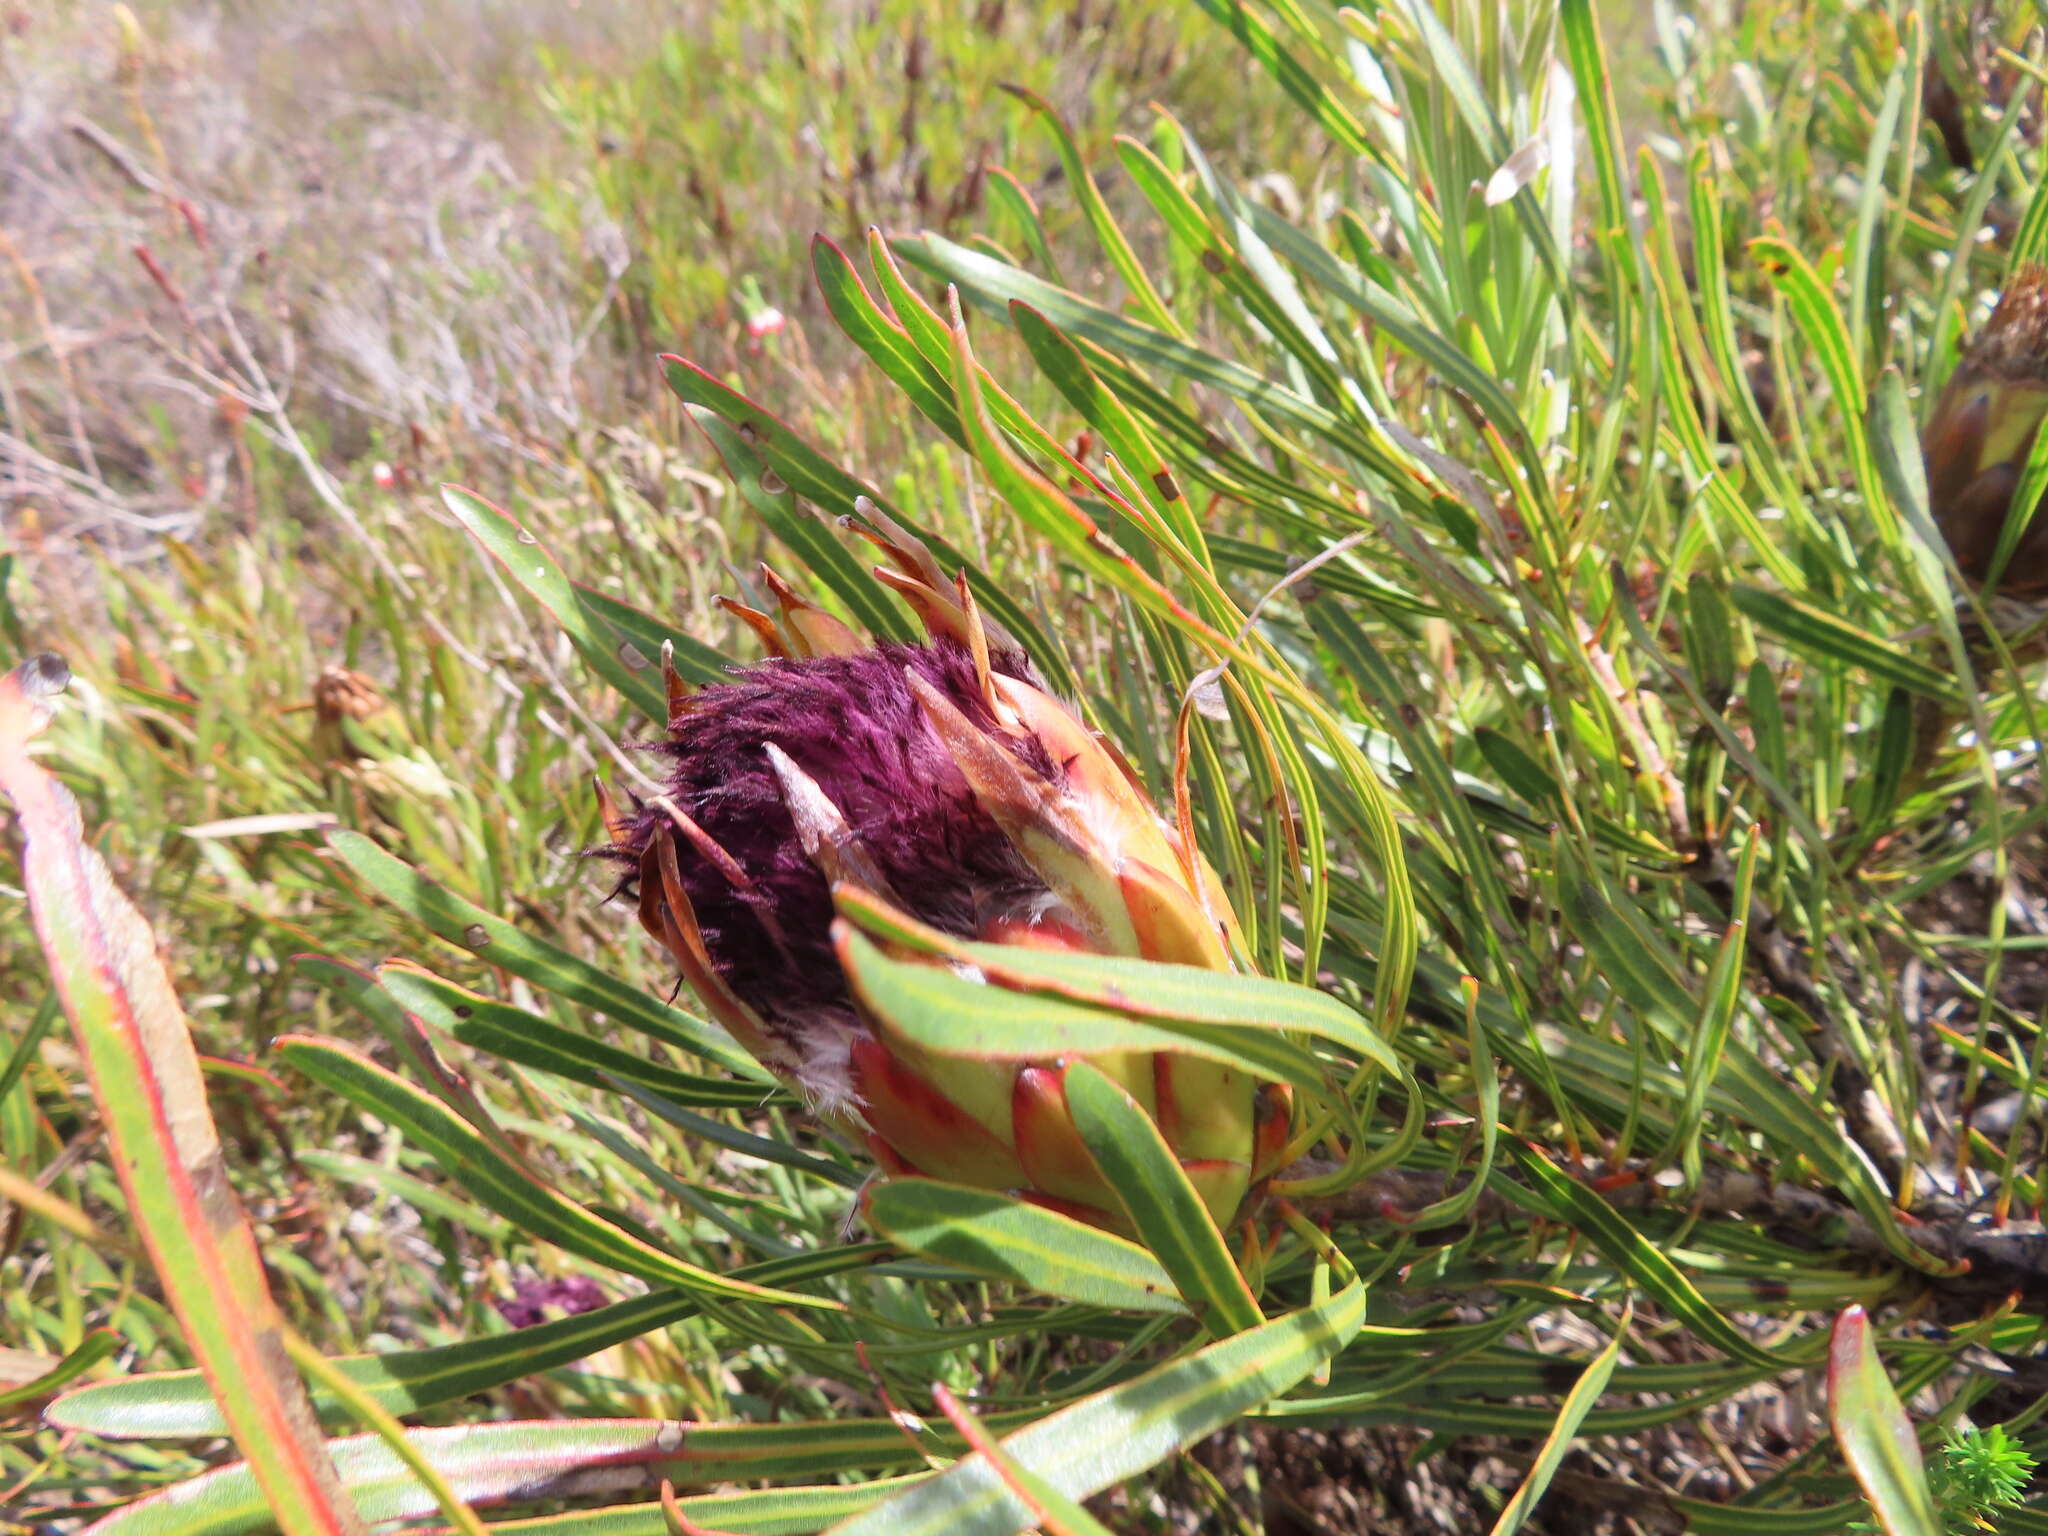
pixel 2014 341
pixel 340 693
pixel 1980 433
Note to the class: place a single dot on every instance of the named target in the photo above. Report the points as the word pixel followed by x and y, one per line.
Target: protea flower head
pixel 941 780
pixel 1983 427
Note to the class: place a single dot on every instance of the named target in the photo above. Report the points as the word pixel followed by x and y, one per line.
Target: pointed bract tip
pixel 708 847
pixel 821 828
pixel 617 827
pixel 761 624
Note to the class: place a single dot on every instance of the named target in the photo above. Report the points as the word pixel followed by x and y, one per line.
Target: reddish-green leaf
pixel 137 1049
pixel 1876 1437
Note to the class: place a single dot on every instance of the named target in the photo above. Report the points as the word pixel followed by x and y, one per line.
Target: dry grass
pixel 433 248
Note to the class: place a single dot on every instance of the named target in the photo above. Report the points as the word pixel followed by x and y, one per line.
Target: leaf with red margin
pixel 151 1096
pixel 1876 1437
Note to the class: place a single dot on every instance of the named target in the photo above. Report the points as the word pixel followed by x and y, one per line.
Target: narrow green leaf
pixel 2020 511
pixel 31 1041
pixel 489 1464
pixel 1825 637
pixel 1517 769
pixel 1009 196
pixel 1571 1414
pixel 694 659
pixel 1767 721
pixel 1821 327
pixel 2030 244
pixel 1296 79
pixel 883 339
pixel 1895 441
pixel 1137 1163
pixel 1565 1199
pixel 553 970
pixel 511 1191
pixel 1884 775
pixel 429 1199
pixel 1026 1244
pixel 518 1035
pixel 1704 1518
pixel 1709 638
pixel 1867 290
pixel 810 537
pixel 527 561
pixel 766 1512
pixel 98 1345
pixel 172 1405
pixel 1720 999
pixel 1122 433
pixel 1081 186
pixel 746 1143
pixel 995 284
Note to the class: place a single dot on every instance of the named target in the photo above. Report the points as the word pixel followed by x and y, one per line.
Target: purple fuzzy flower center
pixel 851 723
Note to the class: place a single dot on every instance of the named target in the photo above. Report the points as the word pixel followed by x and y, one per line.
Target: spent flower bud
pixel 1981 431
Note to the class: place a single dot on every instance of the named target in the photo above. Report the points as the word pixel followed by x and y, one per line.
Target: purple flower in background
pixel 541 1301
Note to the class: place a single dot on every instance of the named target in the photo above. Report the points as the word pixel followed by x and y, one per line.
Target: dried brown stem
pixel 2001 1260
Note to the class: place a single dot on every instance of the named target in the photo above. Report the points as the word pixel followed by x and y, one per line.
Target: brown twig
pixel 74 416
pixel 1997 1261
pixel 118 156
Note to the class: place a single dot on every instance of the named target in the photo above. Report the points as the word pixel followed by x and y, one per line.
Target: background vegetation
pixel 1593 381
